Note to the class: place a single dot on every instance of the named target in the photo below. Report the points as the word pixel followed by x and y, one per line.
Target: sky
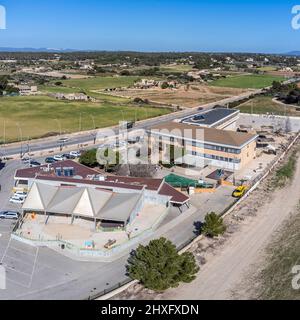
pixel 151 25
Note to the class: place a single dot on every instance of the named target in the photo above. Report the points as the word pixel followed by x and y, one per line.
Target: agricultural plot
pixel 265 104
pixel 37 116
pixel 247 81
pixel 185 96
pixel 100 83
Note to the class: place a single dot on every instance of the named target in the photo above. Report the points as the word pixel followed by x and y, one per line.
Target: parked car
pixel 75 154
pixel 59 158
pixel 26 160
pixel 9 215
pixel 68 156
pixel 20 194
pixel 50 160
pixel 239 191
pixel 17 200
pixel 34 164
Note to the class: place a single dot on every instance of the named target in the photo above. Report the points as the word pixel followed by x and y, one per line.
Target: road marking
pixel 14 270
pixel 34 267
pixel 5 251
pixel 27 253
pixel 17 259
pixel 7 266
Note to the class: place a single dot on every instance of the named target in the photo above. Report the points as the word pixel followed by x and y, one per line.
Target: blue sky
pixel 151 25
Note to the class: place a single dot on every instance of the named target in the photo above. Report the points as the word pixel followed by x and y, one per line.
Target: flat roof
pixel 79 170
pixel 204 134
pixel 210 117
pixel 83 176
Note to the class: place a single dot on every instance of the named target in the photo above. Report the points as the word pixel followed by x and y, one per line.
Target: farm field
pixel 193 96
pixel 247 81
pixel 102 97
pixel 264 104
pixel 100 83
pixel 180 68
pixel 33 117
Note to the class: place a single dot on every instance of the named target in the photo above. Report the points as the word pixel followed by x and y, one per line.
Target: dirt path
pixel 224 271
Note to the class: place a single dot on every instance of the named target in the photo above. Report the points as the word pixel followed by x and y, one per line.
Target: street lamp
pixel 59 125
pixel 21 137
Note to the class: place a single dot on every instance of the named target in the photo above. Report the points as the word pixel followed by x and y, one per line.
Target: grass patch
pixel 41 115
pixel 180 68
pixel 247 81
pixel 275 280
pixel 287 171
pixel 100 83
pixel 264 104
pixel 99 96
pixel 267 68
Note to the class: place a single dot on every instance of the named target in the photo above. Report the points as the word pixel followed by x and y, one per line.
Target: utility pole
pixel 21 137
pixel 59 125
pixel 80 122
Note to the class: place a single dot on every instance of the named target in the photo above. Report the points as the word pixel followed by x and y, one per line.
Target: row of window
pixel 216 148
pixel 204 145
pixel 213 157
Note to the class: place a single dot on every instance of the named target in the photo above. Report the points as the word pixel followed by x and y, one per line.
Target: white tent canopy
pixel 83 202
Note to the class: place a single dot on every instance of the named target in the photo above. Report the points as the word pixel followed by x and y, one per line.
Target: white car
pixel 63 140
pixel 59 158
pixel 17 200
pixel 20 194
pixel 9 215
pixel 75 154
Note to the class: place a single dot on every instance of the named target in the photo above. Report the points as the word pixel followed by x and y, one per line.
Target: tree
pixel 213 225
pixel 109 159
pixel 165 85
pixel 158 266
pixel 89 158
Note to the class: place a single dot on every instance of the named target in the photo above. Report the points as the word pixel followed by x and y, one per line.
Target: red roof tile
pixel 176 196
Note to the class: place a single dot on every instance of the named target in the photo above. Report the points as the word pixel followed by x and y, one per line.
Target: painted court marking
pixel 24 274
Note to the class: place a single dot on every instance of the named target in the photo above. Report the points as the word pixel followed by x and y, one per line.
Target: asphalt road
pixel 79 139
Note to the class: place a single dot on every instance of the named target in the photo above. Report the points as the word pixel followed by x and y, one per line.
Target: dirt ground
pixel 225 263
pixel 191 96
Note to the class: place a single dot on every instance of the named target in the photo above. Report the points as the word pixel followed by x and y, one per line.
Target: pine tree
pixel 213 225
pixel 158 266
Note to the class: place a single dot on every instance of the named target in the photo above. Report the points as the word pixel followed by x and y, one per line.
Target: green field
pixel 38 116
pixel 267 68
pixel 100 83
pixel 247 81
pixel 264 104
pixel 180 68
pixel 104 98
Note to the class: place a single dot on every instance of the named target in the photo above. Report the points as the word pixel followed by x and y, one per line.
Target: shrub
pixel 158 266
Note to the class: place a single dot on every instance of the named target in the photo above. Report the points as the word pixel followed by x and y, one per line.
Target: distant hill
pixel 294 53
pixel 7 49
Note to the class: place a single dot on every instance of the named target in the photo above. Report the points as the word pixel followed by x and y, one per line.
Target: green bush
pixel 213 225
pixel 158 266
pixel 89 158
